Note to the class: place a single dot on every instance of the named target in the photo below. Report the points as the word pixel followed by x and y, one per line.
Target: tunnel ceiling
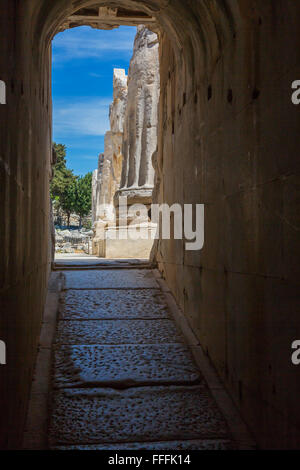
pixel 107 18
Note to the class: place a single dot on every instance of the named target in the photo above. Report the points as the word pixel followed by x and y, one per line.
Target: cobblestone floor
pixel 123 377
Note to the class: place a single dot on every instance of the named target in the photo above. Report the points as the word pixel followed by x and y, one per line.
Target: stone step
pixel 124 366
pixel 101 304
pixel 200 444
pixel 102 415
pixel 93 261
pixel 110 279
pixel 117 332
pixel 96 267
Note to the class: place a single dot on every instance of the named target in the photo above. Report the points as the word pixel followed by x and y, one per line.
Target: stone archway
pixel 220 143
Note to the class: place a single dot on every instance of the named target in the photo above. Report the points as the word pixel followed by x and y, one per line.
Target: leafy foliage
pixel 70 193
pixel 67 200
pixel 62 176
pixel 83 195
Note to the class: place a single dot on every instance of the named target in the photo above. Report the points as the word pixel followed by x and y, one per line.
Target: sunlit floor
pixel 75 259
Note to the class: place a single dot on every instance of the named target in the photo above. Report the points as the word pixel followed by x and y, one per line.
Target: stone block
pixel 94 416
pixel 113 304
pixel 124 366
pixel 117 332
pixel 125 279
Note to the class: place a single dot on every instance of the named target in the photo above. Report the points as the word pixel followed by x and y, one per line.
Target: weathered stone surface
pixel 122 304
pixel 140 127
pixel 140 134
pixel 95 358
pixel 107 183
pixel 203 444
pixel 118 107
pixel 122 241
pixel 92 416
pixel 123 366
pixel 130 278
pixel 136 115
pixel 139 143
pixel 117 332
pixel 107 179
pixel 95 190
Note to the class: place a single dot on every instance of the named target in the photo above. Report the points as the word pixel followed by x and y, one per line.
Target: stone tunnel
pixel 228 138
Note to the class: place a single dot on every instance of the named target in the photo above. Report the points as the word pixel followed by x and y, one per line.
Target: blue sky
pixel 82 84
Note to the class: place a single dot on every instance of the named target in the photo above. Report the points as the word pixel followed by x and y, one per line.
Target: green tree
pixel 62 176
pixel 70 193
pixel 83 196
pixel 67 200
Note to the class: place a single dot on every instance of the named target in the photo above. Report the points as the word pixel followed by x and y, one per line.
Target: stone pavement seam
pixel 126 410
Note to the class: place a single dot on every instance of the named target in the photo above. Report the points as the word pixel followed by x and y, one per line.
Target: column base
pixel 122 242
pixel 134 196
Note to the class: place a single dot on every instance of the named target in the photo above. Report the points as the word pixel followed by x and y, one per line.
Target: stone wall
pixel 228 137
pixel 25 157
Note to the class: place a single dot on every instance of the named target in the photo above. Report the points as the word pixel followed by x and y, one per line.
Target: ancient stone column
pixel 117 108
pixel 116 116
pixel 107 180
pixel 140 125
pixel 94 195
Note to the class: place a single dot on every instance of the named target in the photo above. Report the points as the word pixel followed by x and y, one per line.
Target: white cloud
pixel 91 157
pixel 95 75
pixel 81 117
pixel 84 43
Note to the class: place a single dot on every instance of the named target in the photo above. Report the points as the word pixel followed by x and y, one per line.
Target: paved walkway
pixel 123 376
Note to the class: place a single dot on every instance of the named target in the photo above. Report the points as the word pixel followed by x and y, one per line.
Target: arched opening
pixel 121 128
pixel 220 144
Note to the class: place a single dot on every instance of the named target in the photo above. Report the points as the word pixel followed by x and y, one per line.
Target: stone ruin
pixel 106 179
pixel 140 121
pixel 73 241
pixel 125 168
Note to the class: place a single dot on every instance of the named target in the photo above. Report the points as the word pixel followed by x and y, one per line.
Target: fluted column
pixel 140 124
pixel 110 163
